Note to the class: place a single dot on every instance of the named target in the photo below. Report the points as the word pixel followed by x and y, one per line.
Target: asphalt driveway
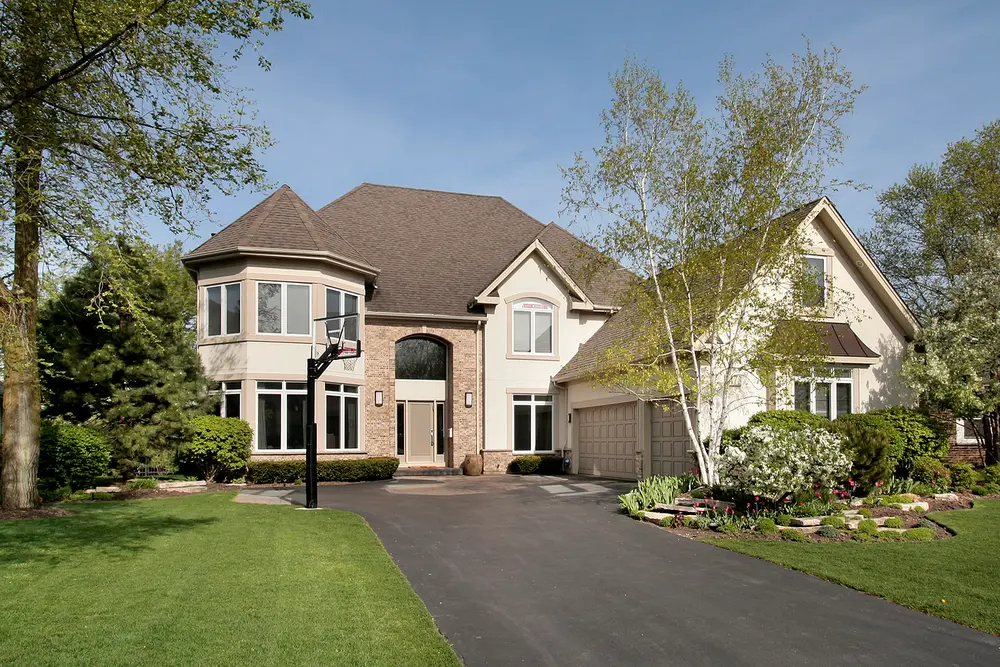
pixel 521 571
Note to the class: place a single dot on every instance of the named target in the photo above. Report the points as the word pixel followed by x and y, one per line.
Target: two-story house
pixel 478 326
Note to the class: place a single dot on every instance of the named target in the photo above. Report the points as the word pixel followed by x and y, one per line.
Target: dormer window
pixel 532 325
pixel 816 286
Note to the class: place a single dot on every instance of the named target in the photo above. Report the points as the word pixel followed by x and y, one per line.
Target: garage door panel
pixel 668 442
pixel 607 441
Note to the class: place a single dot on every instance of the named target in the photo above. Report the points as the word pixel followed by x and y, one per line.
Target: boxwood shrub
pixel 71 455
pixel 536 465
pixel 344 470
pixel 794 536
pixel 218 449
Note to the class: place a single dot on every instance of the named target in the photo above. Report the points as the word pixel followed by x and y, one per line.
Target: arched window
pixel 421 359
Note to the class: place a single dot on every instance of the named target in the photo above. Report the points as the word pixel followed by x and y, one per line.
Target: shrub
pixel 834 521
pixel 930 470
pixel 71 456
pixel 921 489
pixel 922 435
pixel 767 526
pixel 865 512
pixel 794 536
pixel 963 476
pixel 728 528
pixel 789 420
pixel 344 470
pixel 927 523
pixel 650 491
pixel 867 526
pixel 919 534
pixel 219 448
pixel 985 489
pixel 899 485
pixel 784 520
pixel 140 483
pixel 863 537
pixel 690 522
pixel 870 449
pixel 991 474
pixel 893 522
pixel 61 494
pixel 771 462
pixel 877 422
pixel 536 465
pixel 828 532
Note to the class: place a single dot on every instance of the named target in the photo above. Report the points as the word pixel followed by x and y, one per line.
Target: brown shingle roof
pixel 281 222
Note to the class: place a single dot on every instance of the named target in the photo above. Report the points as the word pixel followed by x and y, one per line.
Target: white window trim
pixel 343 298
pixel 960 435
pixel 826 280
pixel 284 392
pixel 833 381
pixel 343 422
pixel 223 319
pixel 284 308
pixel 533 403
pixel 550 308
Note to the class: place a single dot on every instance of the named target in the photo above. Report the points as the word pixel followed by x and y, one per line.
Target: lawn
pixel 201 580
pixel 957 578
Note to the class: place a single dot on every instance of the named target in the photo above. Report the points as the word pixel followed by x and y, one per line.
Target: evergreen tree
pixel 127 365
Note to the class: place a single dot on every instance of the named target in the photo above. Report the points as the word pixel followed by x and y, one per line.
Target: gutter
pixel 424 316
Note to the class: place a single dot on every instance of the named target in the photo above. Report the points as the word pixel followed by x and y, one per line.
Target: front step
pixel 427 472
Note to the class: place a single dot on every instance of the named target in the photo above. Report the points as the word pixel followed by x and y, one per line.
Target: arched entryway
pixel 423 371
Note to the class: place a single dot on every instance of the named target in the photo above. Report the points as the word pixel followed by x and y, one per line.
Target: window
pixel 421 359
pixel 439 430
pixel 532 422
pixel 341 416
pixel 223 305
pixel 829 396
pixel 400 428
pixel 968 430
pixel 815 293
pixel 283 308
pixel 232 393
pixel 340 303
pixel 532 327
pixel 281 415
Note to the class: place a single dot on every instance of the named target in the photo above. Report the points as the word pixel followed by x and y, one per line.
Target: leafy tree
pixel 937 237
pixel 111 112
pixel 690 203
pixel 137 377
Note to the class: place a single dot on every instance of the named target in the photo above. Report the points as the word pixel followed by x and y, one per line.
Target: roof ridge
pixel 435 191
pixel 297 204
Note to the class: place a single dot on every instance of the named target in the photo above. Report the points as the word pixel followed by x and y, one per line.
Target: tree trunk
pixel 21 399
pixel 991 438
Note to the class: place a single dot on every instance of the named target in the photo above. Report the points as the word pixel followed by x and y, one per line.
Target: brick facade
pixel 465 354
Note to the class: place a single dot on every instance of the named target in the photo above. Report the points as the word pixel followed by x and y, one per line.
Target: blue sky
pixel 490 99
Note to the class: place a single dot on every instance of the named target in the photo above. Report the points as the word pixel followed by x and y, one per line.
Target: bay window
pixel 532 324
pixel 342 416
pixel 341 303
pixel 281 415
pixel 222 309
pixel 532 425
pixel 284 308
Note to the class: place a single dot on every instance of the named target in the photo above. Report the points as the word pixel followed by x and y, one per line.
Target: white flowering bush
pixel 773 462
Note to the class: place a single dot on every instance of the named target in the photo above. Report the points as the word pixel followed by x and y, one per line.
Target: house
pixel 479 327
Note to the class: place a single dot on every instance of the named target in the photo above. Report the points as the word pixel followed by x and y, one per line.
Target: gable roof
pixel 839 338
pixel 282 222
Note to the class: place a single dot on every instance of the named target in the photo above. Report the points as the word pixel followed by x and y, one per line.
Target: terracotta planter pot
pixel 473 465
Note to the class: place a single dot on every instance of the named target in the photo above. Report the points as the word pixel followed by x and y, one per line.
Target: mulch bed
pixel 32 514
pixel 174 493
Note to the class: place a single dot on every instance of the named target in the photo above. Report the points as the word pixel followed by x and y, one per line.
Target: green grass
pixel 204 581
pixel 958 578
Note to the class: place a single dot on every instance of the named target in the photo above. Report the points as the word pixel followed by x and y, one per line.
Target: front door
pixel 420 432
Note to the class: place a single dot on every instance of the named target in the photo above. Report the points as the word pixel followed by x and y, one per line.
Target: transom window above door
pixel 829 395
pixel 284 308
pixel 532 324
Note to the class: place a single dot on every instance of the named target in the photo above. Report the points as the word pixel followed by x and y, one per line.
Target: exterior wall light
pixel 468 399
pixel 378 398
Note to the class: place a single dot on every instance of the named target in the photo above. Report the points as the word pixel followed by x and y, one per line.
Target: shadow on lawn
pixel 111 532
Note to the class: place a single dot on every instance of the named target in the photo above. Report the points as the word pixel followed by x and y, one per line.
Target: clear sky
pixel 491 98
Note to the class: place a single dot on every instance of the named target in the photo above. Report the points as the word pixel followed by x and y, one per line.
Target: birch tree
pixel 112 112
pixel 692 204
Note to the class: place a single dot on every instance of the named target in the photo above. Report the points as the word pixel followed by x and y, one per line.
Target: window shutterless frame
pixel 283 308
pixel 819 266
pixel 282 390
pixel 822 395
pixel 223 297
pixel 343 400
pixel 539 410
pixel 533 314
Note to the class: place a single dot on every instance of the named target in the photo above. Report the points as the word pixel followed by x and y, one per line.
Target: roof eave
pixel 318 255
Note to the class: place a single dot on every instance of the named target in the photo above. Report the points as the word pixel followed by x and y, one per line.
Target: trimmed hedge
pixel 536 465
pixel 71 455
pixel 219 448
pixel 345 470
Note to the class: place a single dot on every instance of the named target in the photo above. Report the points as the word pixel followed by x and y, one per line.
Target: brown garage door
pixel 607 440
pixel 668 441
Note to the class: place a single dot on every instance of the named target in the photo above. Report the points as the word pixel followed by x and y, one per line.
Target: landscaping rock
pixel 852 523
pixel 946 496
pixel 857 502
pixel 704 502
pixel 678 509
pixel 850 512
pixel 802 529
pixel 656 517
pixel 180 485
pixel 104 489
pixel 909 507
pixel 807 520
pixel 883 529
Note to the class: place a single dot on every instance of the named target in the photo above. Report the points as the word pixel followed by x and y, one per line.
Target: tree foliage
pixel 937 237
pixel 112 112
pixel 692 205
pixel 137 378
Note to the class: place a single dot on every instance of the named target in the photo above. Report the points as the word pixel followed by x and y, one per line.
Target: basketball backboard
pixel 339 334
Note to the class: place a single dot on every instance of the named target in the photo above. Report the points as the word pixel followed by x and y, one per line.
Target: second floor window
pixel 283 308
pixel 223 309
pixel 815 292
pixel 532 323
pixel 341 303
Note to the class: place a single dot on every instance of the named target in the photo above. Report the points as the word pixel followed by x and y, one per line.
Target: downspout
pixel 481 389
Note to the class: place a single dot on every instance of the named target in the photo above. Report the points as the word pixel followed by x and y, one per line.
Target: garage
pixel 607 439
pixel 668 440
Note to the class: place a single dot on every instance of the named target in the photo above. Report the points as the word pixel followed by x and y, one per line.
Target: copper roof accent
pixel 841 340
